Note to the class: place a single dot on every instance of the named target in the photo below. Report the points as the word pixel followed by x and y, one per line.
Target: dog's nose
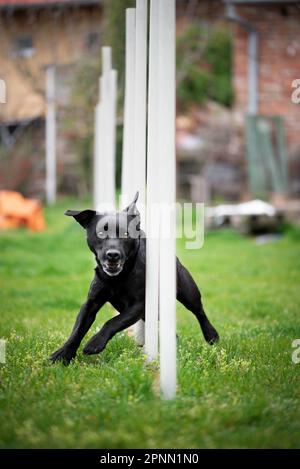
pixel 113 255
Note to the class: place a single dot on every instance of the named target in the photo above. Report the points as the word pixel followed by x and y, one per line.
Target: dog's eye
pixel 102 234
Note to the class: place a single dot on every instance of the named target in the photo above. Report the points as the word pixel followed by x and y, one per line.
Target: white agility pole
pixel 128 128
pixel 98 138
pixel 140 105
pixel 105 137
pixel 108 98
pixel 140 122
pixel 111 137
pixel 161 165
pixel 50 136
pixel 166 144
pixel 130 172
pixel 152 212
pixel 106 60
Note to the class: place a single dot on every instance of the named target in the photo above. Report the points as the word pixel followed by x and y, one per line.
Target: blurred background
pixel 237 125
pixel 238 140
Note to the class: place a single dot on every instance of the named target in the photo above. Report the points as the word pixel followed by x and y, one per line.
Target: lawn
pixel 244 392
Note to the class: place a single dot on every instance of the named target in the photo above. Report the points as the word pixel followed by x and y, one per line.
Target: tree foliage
pixel 204 65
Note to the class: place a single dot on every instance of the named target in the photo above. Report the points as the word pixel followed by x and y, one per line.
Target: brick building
pixel 254 147
pixel 33 35
pixel 276 26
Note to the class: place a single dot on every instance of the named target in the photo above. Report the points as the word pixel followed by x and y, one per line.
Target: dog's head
pixel 112 237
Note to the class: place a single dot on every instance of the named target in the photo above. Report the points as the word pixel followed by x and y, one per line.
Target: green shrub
pixel 193 87
pixel 204 65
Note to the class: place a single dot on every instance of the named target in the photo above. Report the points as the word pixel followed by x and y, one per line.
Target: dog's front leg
pixel 96 299
pixel 117 324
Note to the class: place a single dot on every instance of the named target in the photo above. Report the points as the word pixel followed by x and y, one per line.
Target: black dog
pixel 120 279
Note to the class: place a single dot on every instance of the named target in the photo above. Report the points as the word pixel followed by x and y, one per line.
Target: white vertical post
pixel 140 119
pixel 98 148
pixel 100 155
pixel 166 141
pixel 128 129
pixel 106 60
pixel 130 172
pixel 105 151
pixel 111 137
pixel 152 213
pixel 140 84
pixel 105 136
pixel 50 136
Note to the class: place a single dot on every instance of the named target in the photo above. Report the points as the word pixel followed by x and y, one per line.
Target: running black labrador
pixel 120 279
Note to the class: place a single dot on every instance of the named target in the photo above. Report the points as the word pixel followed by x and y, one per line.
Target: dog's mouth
pixel 112 268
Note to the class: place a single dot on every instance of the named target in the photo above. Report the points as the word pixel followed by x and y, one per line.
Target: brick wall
pixel 279 64
pixel 59 36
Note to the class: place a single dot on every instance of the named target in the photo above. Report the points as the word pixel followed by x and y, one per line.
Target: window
pixel 23 47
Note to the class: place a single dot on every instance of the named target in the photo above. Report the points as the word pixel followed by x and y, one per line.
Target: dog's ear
pixel 133 215
pixel 132 208
pixel 83 218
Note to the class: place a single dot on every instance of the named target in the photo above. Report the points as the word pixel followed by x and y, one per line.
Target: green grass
pixel 243 392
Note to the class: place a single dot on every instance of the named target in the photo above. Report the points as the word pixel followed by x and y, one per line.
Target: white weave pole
pixel 106 60
pixel 100 144
pixel 128 128
pixel 105 137
pixel 166 142
pixel 140 120
pixel 140 105
pixel 111 137
pixel 97 183
pixel 152 214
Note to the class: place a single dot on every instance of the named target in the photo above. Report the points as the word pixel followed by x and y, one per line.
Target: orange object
pixel 17 211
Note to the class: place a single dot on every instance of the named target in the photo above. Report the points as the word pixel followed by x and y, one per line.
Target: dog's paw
pixel 211 336
pixel 93 347
pixel 64 355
